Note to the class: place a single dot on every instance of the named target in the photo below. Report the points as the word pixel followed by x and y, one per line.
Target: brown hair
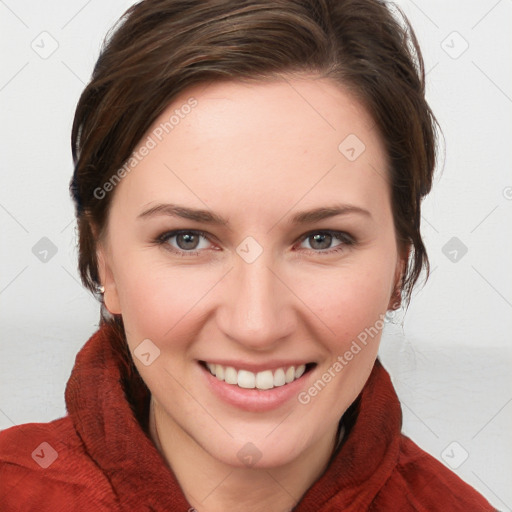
pixel 161 47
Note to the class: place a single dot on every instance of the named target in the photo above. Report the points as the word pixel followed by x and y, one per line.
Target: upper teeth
pixel 261 380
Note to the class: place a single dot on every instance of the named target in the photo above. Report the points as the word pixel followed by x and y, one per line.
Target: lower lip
pixel 255 400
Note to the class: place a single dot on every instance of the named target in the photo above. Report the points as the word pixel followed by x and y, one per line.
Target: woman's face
pixel 269 287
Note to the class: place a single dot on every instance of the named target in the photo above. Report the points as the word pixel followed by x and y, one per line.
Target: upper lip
pixel 258 367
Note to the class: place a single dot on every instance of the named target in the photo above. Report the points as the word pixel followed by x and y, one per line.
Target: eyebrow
pixel 208 217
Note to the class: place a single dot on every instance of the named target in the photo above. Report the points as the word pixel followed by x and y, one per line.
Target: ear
pixel 401 267
pixel 110 295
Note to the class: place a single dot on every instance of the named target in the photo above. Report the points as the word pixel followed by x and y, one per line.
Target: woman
pixel 248 180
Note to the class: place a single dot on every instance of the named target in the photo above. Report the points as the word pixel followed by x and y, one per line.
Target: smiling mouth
pixel 264 380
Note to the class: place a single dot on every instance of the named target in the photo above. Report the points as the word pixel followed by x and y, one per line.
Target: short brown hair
pixel 161 47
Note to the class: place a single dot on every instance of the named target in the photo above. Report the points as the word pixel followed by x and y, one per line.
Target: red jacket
pixel 100 457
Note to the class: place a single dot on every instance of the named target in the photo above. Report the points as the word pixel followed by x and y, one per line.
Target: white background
pixel 450 360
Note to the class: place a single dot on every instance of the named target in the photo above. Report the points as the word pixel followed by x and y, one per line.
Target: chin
pixel 259 450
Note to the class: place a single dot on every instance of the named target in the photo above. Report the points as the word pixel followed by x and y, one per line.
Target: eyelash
pixel 345 238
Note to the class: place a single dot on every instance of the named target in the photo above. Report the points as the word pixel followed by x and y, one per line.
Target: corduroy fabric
pixel 106 461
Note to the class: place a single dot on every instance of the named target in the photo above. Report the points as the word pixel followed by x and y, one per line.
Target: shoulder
pixel 44 466
pixel 425 484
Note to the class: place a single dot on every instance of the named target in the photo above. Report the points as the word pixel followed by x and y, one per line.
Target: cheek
pixel 157 298
pixel 351 306
pixel 350 299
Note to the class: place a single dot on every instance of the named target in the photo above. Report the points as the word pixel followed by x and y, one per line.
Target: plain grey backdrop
pixel 449 356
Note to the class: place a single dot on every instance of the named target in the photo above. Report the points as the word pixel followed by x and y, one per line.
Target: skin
pixel 256 154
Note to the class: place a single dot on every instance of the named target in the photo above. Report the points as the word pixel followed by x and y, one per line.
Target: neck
pixel 209 485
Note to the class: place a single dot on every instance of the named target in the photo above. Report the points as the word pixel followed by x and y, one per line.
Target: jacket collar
pixel 108 404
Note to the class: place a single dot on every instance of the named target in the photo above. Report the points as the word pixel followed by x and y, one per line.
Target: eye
pixel 320 241
pixel 187 241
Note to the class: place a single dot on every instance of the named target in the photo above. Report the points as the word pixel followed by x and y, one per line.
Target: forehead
pixel 266 143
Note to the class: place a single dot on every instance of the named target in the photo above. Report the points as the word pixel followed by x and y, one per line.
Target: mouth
pixel 264 380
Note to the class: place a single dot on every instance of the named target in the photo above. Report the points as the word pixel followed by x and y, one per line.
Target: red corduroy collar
pixel 108 404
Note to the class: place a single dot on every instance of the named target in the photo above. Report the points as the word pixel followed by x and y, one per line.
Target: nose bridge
pixel 257 312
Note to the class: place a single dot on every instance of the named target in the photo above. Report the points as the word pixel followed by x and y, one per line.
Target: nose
pixel 257 305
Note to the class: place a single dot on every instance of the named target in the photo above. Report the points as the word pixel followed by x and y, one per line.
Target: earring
pixel 101 289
